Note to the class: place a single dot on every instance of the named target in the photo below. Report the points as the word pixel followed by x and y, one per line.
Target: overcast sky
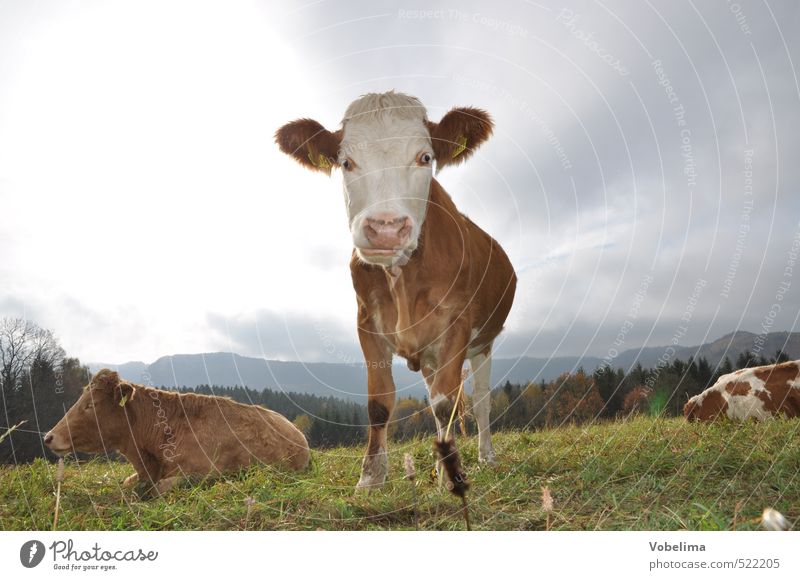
pixel 643 175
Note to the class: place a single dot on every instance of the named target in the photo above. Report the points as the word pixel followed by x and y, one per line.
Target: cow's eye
pixel 348 164
pixel 424 159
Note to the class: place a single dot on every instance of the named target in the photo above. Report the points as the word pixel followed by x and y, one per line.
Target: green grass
pixel 642 474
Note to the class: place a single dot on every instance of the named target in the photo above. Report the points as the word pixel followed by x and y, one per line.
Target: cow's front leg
pixel 380 402
pixel 444 382
pixel 148 471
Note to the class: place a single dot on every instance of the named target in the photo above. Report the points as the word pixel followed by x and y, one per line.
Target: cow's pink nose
pixel 387 231
pixel 48 438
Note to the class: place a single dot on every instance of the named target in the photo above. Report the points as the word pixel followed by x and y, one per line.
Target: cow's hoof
pixel 369 484
pixel 130 481
pixel 374 470
pixel 488 458
pixel 144 490
pixel 166 484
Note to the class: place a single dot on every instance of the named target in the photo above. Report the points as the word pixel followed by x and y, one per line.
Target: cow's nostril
pixel 405 228
pixel 48 438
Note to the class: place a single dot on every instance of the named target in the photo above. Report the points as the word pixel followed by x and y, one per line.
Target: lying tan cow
pixel 165 435
pixel 751 393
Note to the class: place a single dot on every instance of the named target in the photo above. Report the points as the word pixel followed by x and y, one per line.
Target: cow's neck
pixel 156 418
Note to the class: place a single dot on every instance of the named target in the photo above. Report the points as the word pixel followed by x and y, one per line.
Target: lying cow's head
pixel 386 149
pixel 707 406
pixel 691 410
pixel 98 420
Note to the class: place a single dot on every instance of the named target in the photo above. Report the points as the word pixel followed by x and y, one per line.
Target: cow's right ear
pixel 124 393
pixel 310 144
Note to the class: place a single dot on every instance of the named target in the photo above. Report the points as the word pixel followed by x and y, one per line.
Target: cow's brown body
pixel 165 435
pixel 750 393
pixel 449 302
pixel 453 294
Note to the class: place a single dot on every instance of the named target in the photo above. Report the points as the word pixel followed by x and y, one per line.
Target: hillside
pixel 348 381
pixel 730 345
pixel 632 475
pixel 345 381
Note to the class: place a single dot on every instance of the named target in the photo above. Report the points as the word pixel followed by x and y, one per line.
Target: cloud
pixel 278 336
pixel 632 141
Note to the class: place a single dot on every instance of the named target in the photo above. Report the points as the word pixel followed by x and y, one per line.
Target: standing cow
pixel 431 285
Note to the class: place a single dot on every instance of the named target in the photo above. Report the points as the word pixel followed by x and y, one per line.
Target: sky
pixel 642 176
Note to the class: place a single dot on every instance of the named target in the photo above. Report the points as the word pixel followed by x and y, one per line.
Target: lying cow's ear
pixel 106 378
pixel 460 132
pixel 124 393
pixel 310 144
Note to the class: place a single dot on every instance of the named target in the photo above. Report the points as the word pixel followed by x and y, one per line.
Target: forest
pixel 39 382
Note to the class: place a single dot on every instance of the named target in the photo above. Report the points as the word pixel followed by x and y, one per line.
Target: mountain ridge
pixel 348 380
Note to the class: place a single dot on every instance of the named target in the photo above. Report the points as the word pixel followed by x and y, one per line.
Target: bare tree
pixel 37 382
pixel 12 351
pixel 23 346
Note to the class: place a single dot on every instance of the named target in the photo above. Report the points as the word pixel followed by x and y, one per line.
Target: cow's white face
pixel 386 149
pixel 387 167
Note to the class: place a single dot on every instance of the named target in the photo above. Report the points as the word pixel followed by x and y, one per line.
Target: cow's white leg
pixel 481 366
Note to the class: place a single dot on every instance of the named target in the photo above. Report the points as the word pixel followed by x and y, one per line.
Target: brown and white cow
pixel 166 435
pixel 751 393
pixel 431 286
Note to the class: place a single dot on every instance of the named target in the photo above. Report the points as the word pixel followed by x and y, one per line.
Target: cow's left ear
pixel 124 393
pixel 460 132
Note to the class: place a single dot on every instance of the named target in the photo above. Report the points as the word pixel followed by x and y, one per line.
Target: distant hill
pixel 730 345
pixel 348 381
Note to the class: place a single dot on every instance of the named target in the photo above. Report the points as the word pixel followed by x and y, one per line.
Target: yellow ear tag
pixel 123 400
pixel 462 144
pixel 321 161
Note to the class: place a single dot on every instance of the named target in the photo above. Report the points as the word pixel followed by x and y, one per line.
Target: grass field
pixel 642 474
